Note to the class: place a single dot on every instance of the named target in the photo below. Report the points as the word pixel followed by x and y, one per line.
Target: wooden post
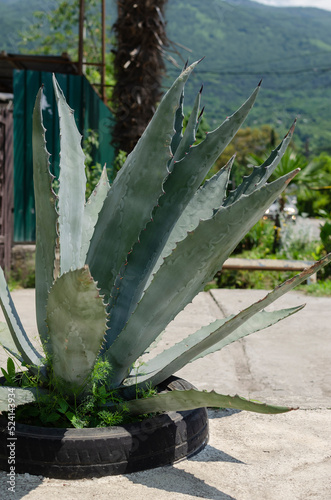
pixel 81 36
pixel 103 50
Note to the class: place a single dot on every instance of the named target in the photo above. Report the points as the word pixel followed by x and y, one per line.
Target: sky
pixel 320 4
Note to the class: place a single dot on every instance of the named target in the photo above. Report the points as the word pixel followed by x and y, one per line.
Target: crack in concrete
pixel 217 304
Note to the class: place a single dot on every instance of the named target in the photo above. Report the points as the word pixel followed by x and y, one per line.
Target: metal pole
pixel 81 36
pixel 103 50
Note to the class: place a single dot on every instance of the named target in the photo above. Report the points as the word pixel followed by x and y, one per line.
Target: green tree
pixel 311 185
pixel 56 32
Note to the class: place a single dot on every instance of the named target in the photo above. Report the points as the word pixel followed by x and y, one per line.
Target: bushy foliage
pixel 56 32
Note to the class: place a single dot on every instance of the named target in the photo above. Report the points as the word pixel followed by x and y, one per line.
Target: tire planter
pixel 80 453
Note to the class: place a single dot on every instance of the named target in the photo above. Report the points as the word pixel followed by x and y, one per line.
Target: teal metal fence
pixel 90 114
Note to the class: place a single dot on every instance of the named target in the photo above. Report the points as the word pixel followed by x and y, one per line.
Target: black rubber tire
pixel 80 453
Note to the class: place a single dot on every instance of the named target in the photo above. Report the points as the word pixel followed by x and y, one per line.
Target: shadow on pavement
pixel 179 481
pixel 211 454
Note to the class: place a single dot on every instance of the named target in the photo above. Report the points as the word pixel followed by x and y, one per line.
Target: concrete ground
pixel 249 456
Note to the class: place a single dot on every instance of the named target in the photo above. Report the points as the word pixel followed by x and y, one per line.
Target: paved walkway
pixel 249 456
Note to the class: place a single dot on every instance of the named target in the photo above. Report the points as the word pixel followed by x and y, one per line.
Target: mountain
pixel 15 15
pixel 242 41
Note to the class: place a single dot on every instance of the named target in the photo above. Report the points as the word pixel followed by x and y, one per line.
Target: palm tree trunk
pixel 139 67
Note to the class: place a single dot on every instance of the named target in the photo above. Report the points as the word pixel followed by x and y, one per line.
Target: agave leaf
pixel 212 194
pixel 189 135
pixel 132 278
pixel 19 396
pixel 76 320
pixel 275 294
pixel 178 135
pixel 6 341
pixel 208 339
pixel 207 199
pixel 72 185
pixel 173 182
pixel 228 331
pixel 46 217
pixel 180 186
pixel 179 118
pixel 179 400
pixel 24 347
pixel 185 272
pixel 134 192
pixel 154 233
pixel 263 172
pixel 91 212
pixel 202 206
pixel 259 321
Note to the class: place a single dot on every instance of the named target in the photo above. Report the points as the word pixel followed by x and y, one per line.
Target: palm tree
pixel 139 67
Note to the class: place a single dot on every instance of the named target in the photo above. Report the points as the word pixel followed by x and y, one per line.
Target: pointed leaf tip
pixel 291 130
pixel 260 83
pixel 292 175
pixel 201 89
pixel 181 400
pixel 293 125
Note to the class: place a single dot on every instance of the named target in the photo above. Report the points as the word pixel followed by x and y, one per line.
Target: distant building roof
pixel 9 62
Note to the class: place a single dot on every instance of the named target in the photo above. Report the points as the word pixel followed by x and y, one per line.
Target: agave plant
pixel 136 253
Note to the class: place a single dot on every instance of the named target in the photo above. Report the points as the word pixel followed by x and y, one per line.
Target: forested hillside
pixel 242 42
pixel 15 15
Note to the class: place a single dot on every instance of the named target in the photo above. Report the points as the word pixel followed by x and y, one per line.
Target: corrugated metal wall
pixel 90 114
pixel 6 187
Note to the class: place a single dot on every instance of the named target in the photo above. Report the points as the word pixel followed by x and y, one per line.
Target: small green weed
pixel 258 244
pixel 21 279
pixel 10 374
pixel 319 289
pixel 56 409
pixel 245 279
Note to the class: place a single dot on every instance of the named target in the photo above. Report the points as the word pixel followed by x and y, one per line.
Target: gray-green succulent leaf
pixel 76 320
pixel 91 212
pixel 134 193
pixel 181 400
pixel 10 397
pixel 23 345
pixel 180 186
pixel 261 173
pixel 7 342
pixel 208 339
pixel 187 270
pixel 188 138
pixel 46 218
pixel 178 124
pixel 202 206
pixel 72 186
pixel 181 182
pixel 212 195
pixel 137 252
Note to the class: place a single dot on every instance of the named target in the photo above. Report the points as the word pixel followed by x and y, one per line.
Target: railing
pixel 268 265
